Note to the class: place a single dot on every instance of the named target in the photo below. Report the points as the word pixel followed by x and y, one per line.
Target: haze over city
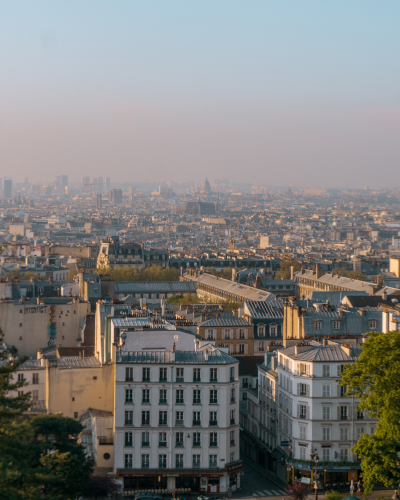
pixel 273 92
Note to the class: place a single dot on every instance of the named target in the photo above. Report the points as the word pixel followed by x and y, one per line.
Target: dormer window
pixel 318 325
pixel 336 325
pixel 273 330
pixel 373 324
pixel 261 330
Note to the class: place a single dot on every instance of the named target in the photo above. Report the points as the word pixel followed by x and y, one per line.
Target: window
pixel 196 396
pixel 196 418
pixel 241 334
pixel 213 461
pixel 145 439
pixel 213 396
pixel 232 456
pixel 232 417
pixel 196 375
pixel 303 432
pixel 343 390
pixel 326 372
pixel 360 430
pixel 145 417
pixel 128 438
pixel 163 396
pixel 179 461
pixel 326 454
pixel 318 325
pixel 233 395
pixel 261 346
pixel 232 438
pixel 303 390
pixel 232 374
pixel 261 331
pixel 35 378
pixel 360 415
pixel 20 393
pixel 303 411
pixel 210 334
pixel 179 375
pixel 35 395
pixel 145 374
pixel 179 397
pixel 128 396
pixel 340 369
pixel 336 325
pixel 162 418
pixel 343 413
pixel 344 454
pixel 273 330
pixel 162 439
pixel 129 374
pixel 196 461
pixel 373 324
pixel 344 434
pixel 304 369
pixel 326 433
pixel 196 440
pixel 326 391
pixel 303 453
pixel 326 412
pixel 75 414
pixel 213 439
pixel 128 461
pixel 129 417
pixel 163 374
pixel 145 461
pixel 245 383
pixel 21 377
pixel 241 349
pixel 213 418
pixel 179 418
pixel 179 439
pixel 213 375
pixel 162 461
pixel 245 396
pixel 227 334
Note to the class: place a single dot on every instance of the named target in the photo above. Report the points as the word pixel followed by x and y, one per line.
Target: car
pixel 148 496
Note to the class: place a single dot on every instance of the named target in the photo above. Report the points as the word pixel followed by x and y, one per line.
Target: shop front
pixel 329 475
pixel 234 472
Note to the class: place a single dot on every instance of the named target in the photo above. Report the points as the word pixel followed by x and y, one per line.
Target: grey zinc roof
pixel 266 309
pixel 155 287
pixel 323 353
pixel 225 322
pixel 181 357
pixel 352 322
pixel 243 292
pixel 340 281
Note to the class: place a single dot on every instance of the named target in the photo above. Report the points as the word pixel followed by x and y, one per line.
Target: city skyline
pixel 305 92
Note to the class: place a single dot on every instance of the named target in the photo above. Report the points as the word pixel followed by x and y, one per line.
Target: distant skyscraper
pixel 99 201
pixel 108 183
pixel 116 196
pixel 85 182
pixel 1 184
pixel 58 183
pixel 100 183
pixel 64 181
pixel 26 180
pixel 7 188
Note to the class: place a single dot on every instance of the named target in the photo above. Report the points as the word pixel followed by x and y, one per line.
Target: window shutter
pixel 307 390
pixel 298 369
pixel 231 348
pixel 338 390
pixel 246 334
pixel 298 410
pixel 338 412
pixel 298 389
pixel 238 334
pixel 246 349
pixel 256 346
pixel 307 412
pixel 237 348
pixel 338 370
pixel 231 334
pixel 307 369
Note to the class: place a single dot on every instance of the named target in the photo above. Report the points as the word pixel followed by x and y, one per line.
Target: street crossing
pixel 268 493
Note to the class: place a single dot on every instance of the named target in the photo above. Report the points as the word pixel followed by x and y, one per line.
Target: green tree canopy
pixel 153 273
pixel 374 378
pixel 284 268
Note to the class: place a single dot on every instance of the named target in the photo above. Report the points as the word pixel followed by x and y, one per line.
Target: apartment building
pixel 177 420
pixel 236 334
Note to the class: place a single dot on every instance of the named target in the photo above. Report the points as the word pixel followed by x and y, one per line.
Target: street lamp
pixel 314 456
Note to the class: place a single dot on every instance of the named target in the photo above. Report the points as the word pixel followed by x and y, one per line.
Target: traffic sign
pixel 316 475
pixel 284 443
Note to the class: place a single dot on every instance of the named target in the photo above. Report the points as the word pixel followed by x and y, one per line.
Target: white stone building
pixel 177 420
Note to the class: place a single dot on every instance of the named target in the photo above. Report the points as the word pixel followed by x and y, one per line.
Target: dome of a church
pixel 206 188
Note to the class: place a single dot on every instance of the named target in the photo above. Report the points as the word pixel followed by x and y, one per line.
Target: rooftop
pixel 181 357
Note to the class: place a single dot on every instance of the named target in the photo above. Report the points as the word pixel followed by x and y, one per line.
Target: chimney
pixel 173 352
pixel 361 312
pixel 341 312
pixel 296 348
pixel 384 294
pixel 308 303
pixel 324 342
pixel 292 273
pixel 39 353
pixel 379 281
pixel 80 278
pixel 274 362
pixel 181 271
pixel 303 269
pixel 196 344
pixel 43 361
pixel 38 300
pixel 318 271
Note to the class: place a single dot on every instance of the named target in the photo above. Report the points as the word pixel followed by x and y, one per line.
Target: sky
pixel 272 92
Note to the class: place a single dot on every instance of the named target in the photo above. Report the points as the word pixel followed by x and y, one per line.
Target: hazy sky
pixel 271 92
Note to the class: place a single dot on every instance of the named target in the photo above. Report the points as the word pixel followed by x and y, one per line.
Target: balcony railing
pixel 197 444
pixel 179 422
pixel 128 401
pixel 129 422
pixel 145 444
pixel 213 466
pixel 196 466
pixel 232 421
pixel 197 401
pixel 196 422
pixel 162 402
pixel 179 401
pixel 213 422
pixel 106 440
pixel 233 442
pixel 179 444
pixel 179 465
pixel 180 379
pixel 162 444
pixel 213 445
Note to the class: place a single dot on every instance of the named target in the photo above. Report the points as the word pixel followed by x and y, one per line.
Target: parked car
pixel 148 496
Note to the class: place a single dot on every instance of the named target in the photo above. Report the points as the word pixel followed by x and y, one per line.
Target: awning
pixel 278 454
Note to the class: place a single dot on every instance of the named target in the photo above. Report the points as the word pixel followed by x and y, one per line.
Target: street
pixel 256 485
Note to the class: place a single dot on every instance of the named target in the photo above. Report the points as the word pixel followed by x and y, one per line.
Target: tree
pixel 374 378
pixel 101 487
pixel 284 268
pixel 332 495
pixel 342 271
pixel 298 491
pixel 152 273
